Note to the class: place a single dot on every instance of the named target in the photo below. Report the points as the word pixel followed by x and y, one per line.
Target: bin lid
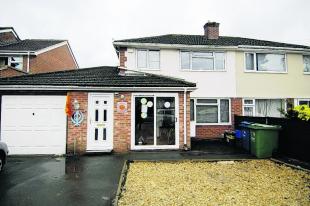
pixel 245 124
pixel 264 126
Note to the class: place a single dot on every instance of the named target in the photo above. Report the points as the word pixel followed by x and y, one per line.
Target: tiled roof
pixel 202 40
pixel 29 45
pixel 103 76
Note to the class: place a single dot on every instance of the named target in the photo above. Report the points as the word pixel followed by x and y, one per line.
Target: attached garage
pixel 108 108
pixel 34 124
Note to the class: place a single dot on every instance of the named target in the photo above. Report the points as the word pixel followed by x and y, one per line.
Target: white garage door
pixel 34 124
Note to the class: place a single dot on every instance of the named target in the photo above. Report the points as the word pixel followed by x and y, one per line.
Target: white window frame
pixel 147 59
pixel 255 63
pixel 9 61
pixel 248 105
pixel 219 111
pixel 201 70
pixel 303 69
pixel 303 99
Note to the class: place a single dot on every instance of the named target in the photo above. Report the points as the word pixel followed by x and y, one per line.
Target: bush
pixel 302 112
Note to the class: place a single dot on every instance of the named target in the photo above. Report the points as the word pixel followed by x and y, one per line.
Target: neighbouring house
pixel 234 75
pixel 30 56
pixel 113 109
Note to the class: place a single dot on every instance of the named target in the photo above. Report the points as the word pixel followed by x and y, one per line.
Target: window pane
pixel 154 59
pixel 192 110
pixel 248 101
pixel 224 109
pixel 304 102
pixel 185 60
pixel 271 62
pixel 104 134
pixel 16 62
pixel 219 61
pixel 268 107
pixel 202 54
pixel 96 115
pixel 3 61
pixel 207 101
pixel 248 111
pixel 199 63
pixel 306 63
pixel 142 58
pixel 207 113
pixel 104 115
pixel 96 133
pixel 249 61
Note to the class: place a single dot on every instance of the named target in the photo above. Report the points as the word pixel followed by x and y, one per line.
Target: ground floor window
pixel 212 111
pixel 263 107
pixel 303 102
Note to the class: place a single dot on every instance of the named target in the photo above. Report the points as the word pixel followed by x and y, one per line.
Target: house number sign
pixel 77 118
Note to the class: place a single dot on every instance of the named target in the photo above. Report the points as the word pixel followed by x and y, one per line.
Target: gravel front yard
pixel 254 182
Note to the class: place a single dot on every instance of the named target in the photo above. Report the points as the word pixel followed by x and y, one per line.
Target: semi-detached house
pixel 234 75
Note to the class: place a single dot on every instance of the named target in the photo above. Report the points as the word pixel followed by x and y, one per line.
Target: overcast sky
pixel 91 25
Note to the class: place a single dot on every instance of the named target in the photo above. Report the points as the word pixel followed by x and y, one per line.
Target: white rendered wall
pixel 209 83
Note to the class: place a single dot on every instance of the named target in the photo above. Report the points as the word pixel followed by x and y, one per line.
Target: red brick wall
pixel 79 134
pixel 122 57
pixel 215 131
pixel 54 60
pixel 122 124
pixel 10 73
pixel 7 37
pixel 181 119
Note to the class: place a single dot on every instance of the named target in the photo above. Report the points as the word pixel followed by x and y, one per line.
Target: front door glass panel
pixel 144 120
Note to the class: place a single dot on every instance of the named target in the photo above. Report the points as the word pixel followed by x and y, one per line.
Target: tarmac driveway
pixel 86 180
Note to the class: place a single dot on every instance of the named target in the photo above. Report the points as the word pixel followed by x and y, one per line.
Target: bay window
pixel 212 111
pixel 265 62
pixel 203 61
pixel 306 60
pixel 148 59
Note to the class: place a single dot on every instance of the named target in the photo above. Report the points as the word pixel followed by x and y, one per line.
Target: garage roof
pixel 103 76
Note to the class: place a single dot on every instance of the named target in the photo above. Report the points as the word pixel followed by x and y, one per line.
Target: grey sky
pixel 91 25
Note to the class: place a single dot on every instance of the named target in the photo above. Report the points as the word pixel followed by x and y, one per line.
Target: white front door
pixel 100 122
pixel 34 124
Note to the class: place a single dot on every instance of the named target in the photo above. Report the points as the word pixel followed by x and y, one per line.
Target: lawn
pixel 253 182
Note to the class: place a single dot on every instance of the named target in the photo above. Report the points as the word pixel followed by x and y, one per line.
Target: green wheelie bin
pixel 264 139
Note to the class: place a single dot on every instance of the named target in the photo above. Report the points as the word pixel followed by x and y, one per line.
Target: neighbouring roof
pixel 30 45
pixel 104 76
pixel 202 40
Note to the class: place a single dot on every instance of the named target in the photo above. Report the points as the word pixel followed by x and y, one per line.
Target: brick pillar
pixel 181 119
pixel 122 124
pixel 78 134
pixel 236 109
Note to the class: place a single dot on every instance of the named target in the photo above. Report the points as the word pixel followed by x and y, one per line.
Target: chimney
pixel 211 30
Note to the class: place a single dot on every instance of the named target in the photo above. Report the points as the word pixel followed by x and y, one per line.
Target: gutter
pixel 213 47
pixel 81 88
pixel 12 52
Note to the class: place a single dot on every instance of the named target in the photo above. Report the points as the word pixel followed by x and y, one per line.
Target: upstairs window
pixel 203 61
pixel 265 62
pixel 148 59
pixel 16 62
pixel 306 63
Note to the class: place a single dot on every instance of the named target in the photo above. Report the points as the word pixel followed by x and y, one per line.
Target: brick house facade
pixel 34 55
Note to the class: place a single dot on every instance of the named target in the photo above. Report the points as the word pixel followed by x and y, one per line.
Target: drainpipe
pixel 184 119
pixel 28 62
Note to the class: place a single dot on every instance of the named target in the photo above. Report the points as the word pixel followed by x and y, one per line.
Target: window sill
pixel 265 72
pixel 148 69
pixel 307 73
pixel 189 70
pixel 213 124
